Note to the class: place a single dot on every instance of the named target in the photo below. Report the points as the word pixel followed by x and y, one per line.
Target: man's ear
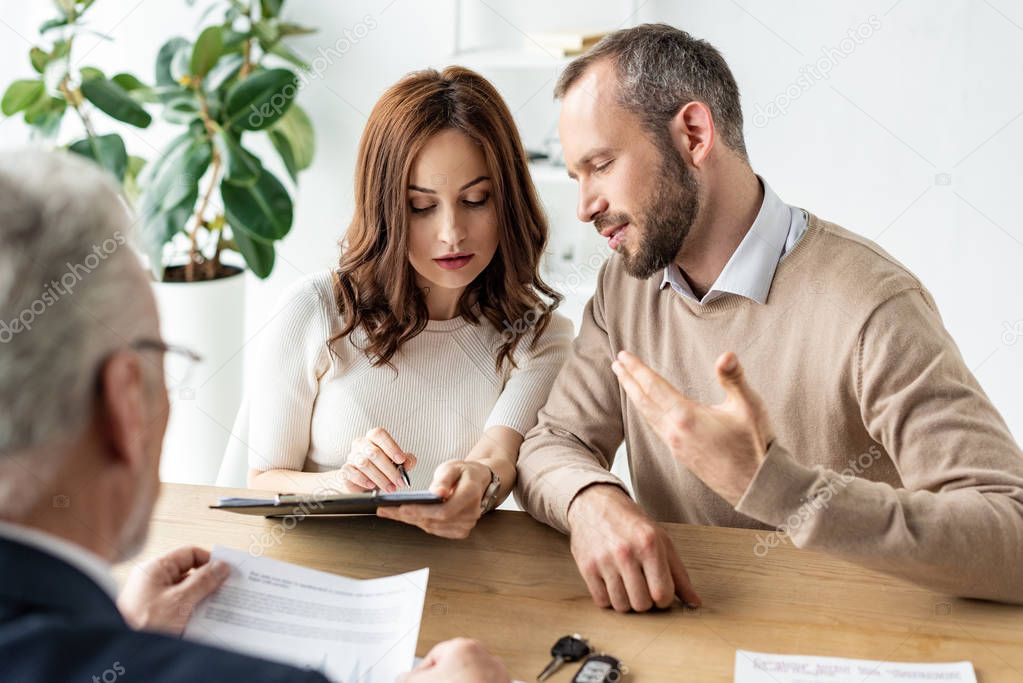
pixel 124 417
pixel 692 130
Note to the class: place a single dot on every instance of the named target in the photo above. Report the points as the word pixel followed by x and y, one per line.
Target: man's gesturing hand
pixel 724 444
pixel 626 559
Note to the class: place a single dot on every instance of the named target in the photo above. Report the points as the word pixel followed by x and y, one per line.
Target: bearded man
pixel 852 423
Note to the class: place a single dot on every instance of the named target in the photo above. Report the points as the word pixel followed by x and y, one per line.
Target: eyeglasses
pixel 178 365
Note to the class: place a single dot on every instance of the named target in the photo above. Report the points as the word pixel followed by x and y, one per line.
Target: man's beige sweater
pixel 887 451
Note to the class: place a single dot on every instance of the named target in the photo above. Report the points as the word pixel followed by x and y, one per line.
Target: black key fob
pixel 599 669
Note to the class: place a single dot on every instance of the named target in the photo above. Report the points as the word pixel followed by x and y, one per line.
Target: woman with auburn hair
pixel 434 343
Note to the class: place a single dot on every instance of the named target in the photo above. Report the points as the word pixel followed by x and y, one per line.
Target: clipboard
pixel 296 505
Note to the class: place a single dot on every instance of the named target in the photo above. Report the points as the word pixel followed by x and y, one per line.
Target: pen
pixel 404 475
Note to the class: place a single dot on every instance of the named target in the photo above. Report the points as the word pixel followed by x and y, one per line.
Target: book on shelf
pixel 564 43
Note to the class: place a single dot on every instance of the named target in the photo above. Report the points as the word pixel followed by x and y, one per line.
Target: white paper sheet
pixel 757 667
pixel 349 629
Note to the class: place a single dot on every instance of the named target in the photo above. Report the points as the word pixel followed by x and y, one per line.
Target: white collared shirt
pixel 87 562
pixel 750 270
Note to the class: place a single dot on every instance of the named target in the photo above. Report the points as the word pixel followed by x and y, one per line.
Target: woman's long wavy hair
pixel 375 283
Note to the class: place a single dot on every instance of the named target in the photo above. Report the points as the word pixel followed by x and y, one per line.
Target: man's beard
pixel 666 221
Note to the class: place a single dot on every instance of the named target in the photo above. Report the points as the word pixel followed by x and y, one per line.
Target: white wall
pixel 912 139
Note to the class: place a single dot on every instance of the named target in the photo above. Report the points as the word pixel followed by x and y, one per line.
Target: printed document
pixel 348 629
pixel 757 667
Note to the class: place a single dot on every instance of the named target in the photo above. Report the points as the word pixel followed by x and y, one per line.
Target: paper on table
pixel 349 629
pixel 757 667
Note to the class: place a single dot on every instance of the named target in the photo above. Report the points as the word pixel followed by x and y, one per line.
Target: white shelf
pixel 508 58
pixel 543 172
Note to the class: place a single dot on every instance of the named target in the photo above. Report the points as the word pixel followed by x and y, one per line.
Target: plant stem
pixel 74 99
pixel 247 51
pixel 195 256
pixel 246 60
pixel 214 263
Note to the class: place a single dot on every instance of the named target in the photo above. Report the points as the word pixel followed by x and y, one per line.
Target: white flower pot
pixel 209 318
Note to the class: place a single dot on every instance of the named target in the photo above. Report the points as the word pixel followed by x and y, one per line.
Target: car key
pixel 567 649
pixel 599 669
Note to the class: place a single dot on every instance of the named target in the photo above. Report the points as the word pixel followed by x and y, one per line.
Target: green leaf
pixel 214 106
pixel 164 58
pixel 155 175
pixel 226 69
pixel 181 65
pixel 90 72
pixel 182 110
pixel 242 167
pixel 258 255
pixel 61 48
pixel 285 152
pixel 131 174
pixel 21 95
pixel 42 107
pixel 39 58
pixel 115 101
pixel 285 52
pixel 235 12
pixel 296 128
pixel 106 150
pixel 160 229
pixel 207 50
pixel 170 188
pixel 270 8
pixel 194 163
pixel 45 116
pixel 135 166
pixel 258 101
pixel 171 178
pixel 161 93
pixel 289 29
pixel 128 82
pixel 52 24
pixel 263 210
pixel 234 41
pixel 266 32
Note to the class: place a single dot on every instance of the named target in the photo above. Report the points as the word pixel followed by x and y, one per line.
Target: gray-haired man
pixel 83 409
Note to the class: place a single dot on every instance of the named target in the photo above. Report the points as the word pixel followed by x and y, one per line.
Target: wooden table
pixel 514 586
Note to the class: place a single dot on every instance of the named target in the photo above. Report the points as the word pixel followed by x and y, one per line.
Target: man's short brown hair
pixel 660 69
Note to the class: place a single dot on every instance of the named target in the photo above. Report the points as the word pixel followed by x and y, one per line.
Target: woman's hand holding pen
pixel 373 463
pixel 462 484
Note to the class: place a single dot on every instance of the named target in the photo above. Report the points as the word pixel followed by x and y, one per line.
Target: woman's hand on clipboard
pixel 373 463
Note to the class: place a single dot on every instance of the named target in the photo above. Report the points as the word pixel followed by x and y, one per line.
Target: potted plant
pixel 207 206
pixel 58 86
pixel 207 196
